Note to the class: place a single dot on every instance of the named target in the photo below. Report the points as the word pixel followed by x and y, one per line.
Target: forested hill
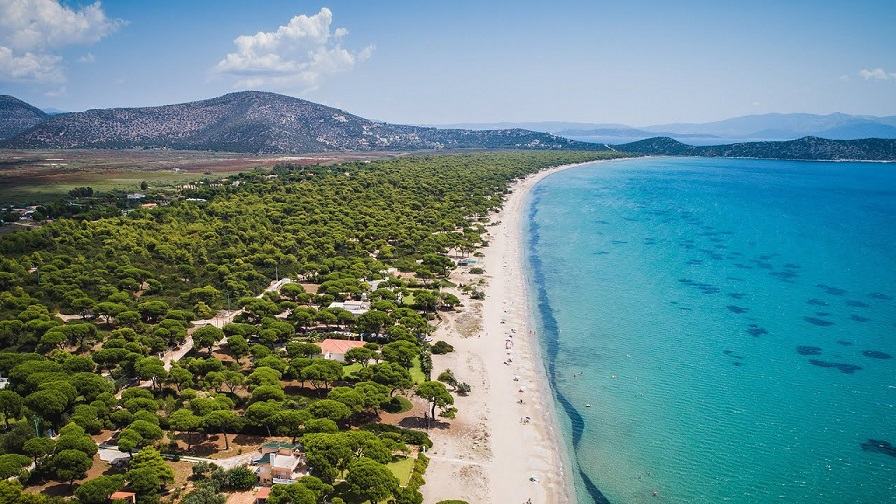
pixel 261 122
pixel 807 148
pixel 17 116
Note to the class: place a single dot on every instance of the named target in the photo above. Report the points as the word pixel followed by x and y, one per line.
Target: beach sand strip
pixel 498 449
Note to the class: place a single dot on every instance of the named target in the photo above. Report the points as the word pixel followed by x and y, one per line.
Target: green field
pixel 42 190
pixel 416 373
pixel 401 467
pixel 40 176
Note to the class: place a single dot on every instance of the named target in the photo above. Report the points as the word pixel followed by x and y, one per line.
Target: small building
pixel 279 463
pixel 262 495
pixel 280 446
pixel 356 308
pixel 334 349
pixel 123 497
pixel 135 196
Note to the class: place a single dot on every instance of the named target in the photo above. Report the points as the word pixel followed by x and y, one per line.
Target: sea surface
pixel 720 330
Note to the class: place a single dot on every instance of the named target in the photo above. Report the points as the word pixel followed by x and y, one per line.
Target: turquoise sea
pixel 720 330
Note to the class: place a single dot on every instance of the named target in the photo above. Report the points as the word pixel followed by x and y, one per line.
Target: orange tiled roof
pixel 338 346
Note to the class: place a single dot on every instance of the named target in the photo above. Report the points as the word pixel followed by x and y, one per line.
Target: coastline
pixel 491 453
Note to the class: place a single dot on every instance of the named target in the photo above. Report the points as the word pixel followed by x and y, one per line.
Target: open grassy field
pixel 39 176
pixel 416 373
pixel 401 467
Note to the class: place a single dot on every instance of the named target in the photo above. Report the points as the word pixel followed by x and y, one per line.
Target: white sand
pixel 488 454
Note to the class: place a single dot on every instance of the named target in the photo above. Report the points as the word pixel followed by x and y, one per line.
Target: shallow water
pixel 731 323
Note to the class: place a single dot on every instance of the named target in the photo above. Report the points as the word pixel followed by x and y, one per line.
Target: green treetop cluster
pixel 136 283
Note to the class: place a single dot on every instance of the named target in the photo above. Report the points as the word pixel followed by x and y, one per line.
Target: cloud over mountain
pixel 295 56
pixel 32 33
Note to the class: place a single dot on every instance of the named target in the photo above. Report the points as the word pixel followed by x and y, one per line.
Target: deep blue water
pixel 731 323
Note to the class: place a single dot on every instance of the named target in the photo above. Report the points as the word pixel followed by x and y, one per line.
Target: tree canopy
pixel 89 303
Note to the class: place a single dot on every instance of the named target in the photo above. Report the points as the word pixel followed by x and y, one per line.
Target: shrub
pixel 203 469
pixel 398 404
pixel 440 348
pixel 239 478
pixel 416 481
pixel 477 271
pixel 408 495
pixel 408 436
pixel 447 376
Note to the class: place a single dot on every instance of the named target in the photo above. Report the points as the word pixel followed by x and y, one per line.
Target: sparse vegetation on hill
pixel 260 122
pixel 806 149
pixel 17 116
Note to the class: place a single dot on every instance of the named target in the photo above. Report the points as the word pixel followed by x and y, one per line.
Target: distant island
pixel 807 149
pixel 254 122
pixel 750 128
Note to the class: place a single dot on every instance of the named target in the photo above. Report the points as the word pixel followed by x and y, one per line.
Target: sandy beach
pixel 498 449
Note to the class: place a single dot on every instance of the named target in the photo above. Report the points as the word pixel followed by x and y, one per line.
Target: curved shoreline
pixel 498 449
pixel 550 337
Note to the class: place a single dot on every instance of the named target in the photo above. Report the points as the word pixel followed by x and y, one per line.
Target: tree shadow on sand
pixel 58 490
pixel 415 422
pixel 248 440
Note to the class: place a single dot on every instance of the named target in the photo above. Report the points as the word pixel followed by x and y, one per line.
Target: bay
pixel 720 330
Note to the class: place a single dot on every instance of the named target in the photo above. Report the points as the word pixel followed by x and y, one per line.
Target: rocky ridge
pixel 263 123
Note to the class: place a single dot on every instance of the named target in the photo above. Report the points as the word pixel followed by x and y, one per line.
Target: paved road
pixel 110 453
pixel 174 355
pixel 220 320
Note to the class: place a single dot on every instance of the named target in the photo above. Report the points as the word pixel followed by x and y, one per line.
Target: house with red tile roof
pixel 262 495
pixel 123 496
pixel 335 348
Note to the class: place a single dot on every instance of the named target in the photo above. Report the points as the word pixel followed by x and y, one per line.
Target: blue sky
pixel 635 62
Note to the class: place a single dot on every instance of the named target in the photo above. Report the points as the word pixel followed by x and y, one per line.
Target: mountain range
pixel 17 116
pixel 247 122
pixel 835 126
pixel 267 123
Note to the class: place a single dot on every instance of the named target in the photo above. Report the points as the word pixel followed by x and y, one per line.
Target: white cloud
pixel 32 32
pixel 87 58
pixel 29 66
pixel 877 74
pixel 297 55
